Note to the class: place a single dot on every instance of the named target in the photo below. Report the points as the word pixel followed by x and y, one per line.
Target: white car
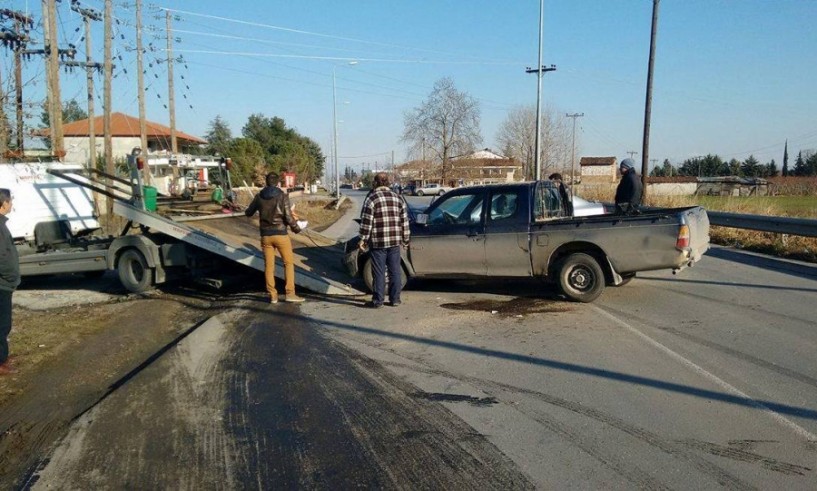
pixel 432 189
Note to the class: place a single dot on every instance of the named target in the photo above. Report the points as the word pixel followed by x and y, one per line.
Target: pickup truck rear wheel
pixel 368 277
pixel 581 277
pixel 134 272
pixel 420 193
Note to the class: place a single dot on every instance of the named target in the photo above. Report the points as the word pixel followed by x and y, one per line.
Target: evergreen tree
pixel 786 159
pixel 811 165
pixel 734 167
pixel 770 169
pixel 750 167
pixel 800 165
pixel 218 137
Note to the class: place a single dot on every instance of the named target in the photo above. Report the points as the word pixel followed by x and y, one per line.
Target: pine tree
pixel 786 159
pixel 800 165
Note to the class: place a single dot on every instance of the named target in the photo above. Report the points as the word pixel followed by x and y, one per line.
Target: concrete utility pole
pixel 53 76
pixel 106 101
pixel 140 77
pixel 632 153
pixel 171 97
pixel 573 145
pixel 89 15
pixel 645 150
pixel 540 71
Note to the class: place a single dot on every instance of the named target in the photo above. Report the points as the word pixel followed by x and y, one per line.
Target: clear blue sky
pixel 732 77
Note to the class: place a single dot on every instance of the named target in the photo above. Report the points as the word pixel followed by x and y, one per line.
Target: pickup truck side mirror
pixel 421 219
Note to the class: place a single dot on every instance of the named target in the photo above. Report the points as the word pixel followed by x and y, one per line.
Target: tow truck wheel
pixel 368 277
pixel 581 277
pixel 134 272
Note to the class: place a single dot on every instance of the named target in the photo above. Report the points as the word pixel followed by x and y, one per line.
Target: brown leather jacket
pixel 274 210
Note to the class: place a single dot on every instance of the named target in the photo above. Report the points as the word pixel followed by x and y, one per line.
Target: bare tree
pixel 445 125
pixel 517 137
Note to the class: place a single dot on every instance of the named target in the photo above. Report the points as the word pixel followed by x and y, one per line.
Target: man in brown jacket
pixel 275 217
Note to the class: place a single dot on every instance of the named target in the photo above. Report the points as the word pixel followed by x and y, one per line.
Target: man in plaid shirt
pixel 384 228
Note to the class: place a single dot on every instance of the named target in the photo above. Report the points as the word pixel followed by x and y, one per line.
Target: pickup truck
pixel 432 190
pixel 522 230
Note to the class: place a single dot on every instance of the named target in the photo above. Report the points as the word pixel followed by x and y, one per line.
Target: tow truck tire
pixel 134 272
pixel 420 193
pixel 581 278
pixel 368 277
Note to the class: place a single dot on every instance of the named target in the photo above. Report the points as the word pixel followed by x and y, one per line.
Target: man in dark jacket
pixel 384 228
pixel 275 217
pixel 9 279
pixel 628 192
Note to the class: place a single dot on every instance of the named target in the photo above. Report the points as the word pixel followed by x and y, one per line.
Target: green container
pixel 218 195
pixel 149 193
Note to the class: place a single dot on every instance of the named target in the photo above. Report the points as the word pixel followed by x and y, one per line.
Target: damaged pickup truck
pixel 523 230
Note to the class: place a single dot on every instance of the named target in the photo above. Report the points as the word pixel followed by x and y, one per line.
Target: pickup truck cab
pixel 432 190
pixel 522 230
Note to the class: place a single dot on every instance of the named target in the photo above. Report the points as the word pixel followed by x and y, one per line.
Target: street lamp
pixel 335 126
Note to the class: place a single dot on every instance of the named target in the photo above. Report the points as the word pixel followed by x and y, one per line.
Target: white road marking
pixel 710 376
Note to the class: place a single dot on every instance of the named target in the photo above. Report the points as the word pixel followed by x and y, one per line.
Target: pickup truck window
pixel 464 209
pixel 547 203
pixel 503 205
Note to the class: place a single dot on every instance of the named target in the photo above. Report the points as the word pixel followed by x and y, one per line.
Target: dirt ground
pixel 76 339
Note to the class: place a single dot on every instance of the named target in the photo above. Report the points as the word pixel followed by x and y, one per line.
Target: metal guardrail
pixel 763 223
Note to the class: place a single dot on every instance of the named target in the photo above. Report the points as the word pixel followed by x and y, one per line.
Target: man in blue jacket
pixel 9 279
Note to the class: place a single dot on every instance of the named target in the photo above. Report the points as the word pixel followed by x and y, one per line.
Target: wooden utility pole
pixel 18 83
pixel 645 150
pixel 106 100
pixel 4 127
pixel 140 77
pixel 170 89
pixel 53 75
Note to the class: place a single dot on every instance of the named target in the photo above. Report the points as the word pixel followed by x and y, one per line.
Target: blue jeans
pixel 5 323
pixel 382 260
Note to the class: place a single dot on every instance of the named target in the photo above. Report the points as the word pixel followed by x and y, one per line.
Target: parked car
pixel 523 230
pixel 432 189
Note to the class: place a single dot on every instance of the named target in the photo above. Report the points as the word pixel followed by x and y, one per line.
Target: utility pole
pixel 140 77
pixel 645 150
pixel 540 70
pixel 171 91
pixel 89 15
pixel 15 39
pixel 106 98
pixel 653 162
pixel 573 151
pixel 53 75
pixel 632 153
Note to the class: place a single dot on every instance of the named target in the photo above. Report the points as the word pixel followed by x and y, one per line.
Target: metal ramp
pixel 131 207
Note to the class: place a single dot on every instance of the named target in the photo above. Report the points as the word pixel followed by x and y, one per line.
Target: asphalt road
pixel 697 381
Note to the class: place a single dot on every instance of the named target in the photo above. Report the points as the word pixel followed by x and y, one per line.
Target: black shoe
pixel 395 304
pixel 372 305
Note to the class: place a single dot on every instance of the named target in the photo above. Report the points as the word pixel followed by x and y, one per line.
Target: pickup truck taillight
pixel 683 237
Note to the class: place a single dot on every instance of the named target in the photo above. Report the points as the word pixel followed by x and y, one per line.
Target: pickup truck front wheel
pixel 134 272
pixel 368 277
pixel 581 277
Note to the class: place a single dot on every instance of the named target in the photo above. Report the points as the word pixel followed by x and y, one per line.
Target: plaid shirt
pixel 384 219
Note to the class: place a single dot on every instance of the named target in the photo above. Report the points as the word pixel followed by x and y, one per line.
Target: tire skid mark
pixel 745 456
pixel 720 475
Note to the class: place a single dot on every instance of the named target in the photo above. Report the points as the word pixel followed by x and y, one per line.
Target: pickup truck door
pixel 507 247
pixel 452 242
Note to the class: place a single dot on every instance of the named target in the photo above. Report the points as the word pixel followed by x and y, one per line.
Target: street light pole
pixel 335 128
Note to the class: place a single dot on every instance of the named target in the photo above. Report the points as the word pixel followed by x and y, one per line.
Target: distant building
pixel 598 169
pixel 481 167
pixel 125 136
